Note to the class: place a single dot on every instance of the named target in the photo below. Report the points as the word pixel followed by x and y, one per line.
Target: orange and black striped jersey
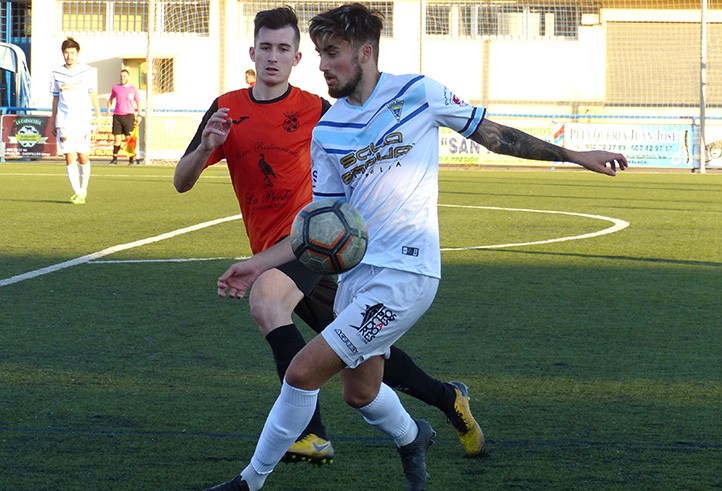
pixel 268 153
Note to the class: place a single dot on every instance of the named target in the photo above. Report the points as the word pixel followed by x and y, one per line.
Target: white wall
pixel 505 71
pixel 517 70
pixel 196 60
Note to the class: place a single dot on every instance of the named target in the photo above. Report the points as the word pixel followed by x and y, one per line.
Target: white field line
pixel 176 260
pixel 112 250
pixel 618 225
pixel 100 176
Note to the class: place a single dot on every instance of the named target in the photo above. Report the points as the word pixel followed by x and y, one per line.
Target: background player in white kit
pixel 377 147
pixel 75 92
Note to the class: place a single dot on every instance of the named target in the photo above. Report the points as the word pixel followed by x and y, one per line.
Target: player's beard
pixel 349 87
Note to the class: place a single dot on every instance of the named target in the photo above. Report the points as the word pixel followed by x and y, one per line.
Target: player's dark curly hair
pixel 70 43
pixel 352 22
pixel 277 18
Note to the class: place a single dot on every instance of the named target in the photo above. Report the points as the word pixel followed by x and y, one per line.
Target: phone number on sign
pixel 620 147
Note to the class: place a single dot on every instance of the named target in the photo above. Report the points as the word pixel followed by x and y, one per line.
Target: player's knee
pixel 358 396
pixel 269 306
pixel 264 311
pixel 298 375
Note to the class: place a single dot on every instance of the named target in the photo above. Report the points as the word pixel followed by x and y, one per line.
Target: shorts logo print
pixel 346 340
pixel 374 320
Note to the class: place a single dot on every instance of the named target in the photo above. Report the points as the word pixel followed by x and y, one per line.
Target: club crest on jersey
pixel 451 98
pixel 374 320
pixel 395 107
pixel 291 124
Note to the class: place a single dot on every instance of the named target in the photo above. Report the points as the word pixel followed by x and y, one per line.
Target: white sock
pixel 84 177
pixel 74 176
pixel 287 419
pixel 387 414
pixel 254 479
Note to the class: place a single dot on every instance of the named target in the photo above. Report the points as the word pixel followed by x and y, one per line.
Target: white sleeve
pixel 451 111
pixel 326 178
pixel 54 86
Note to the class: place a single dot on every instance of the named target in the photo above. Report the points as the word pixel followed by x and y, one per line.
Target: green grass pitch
pixel 593 363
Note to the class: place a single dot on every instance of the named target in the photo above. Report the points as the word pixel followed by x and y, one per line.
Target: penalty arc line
pixel 112 250
pixel 618 225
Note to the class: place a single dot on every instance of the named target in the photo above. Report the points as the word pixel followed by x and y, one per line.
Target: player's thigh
pixel 74 140
pixel 313 365
pixel 117 125
pixel 127 122
pixel 272 300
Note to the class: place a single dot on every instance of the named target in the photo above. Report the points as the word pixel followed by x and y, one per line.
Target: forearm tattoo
pixel 510 141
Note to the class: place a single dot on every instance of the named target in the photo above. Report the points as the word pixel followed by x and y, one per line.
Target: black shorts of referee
pixel 123 124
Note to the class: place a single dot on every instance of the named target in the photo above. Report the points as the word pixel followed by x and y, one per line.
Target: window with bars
pixel 498 19
pixel 306 11
pixel 130 17
pixel 123 16
pixel 84 16
pixel 15 21
pixel 438 20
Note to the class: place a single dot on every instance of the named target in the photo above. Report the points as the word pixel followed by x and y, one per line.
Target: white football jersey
pixel 73 88
pixel 383 157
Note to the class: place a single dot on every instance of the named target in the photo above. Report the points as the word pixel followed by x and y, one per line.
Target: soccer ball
pixel 329 236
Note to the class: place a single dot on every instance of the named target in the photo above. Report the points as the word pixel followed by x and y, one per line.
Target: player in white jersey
pixel 383 158
pixel 74 87
pixel 377 147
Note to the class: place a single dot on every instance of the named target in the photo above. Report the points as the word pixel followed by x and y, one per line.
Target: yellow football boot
pixel 310 448
pixel 469 431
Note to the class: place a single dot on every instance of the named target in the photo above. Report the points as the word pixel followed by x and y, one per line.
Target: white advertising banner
pixel 644 145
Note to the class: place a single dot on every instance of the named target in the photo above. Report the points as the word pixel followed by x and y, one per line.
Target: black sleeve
pixel 325 106
pixel 197 137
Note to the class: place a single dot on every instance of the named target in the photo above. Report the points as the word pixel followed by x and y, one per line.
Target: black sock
pixel 116 149
pixel 402 374
pixel 286 342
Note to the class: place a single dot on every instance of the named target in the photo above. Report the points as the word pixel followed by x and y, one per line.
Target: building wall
pixel 205 66
pixel 617 64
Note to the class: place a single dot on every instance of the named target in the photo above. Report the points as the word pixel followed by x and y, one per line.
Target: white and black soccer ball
pixel 329 236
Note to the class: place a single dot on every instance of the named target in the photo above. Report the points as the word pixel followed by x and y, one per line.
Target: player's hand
pixel 216 130
pixel 601 161
pixel 237 279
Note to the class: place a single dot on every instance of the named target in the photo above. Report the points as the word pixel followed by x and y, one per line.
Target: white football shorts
pixel 375 307
pixel 74 141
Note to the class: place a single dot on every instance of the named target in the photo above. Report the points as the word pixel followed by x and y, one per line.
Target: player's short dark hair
pixel 277 18
pixel 353 22
pixel 125 70
pixel 70 43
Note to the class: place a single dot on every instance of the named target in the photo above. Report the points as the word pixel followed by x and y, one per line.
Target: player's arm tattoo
pixel 510 141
